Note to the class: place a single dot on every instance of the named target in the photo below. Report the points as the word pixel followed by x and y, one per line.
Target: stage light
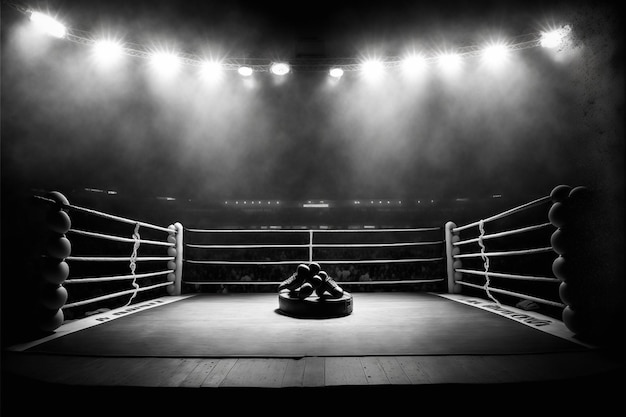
pixel 107 51
pixel 48 25
pixel 245 71
pixel 449 61
pixel 449 64
pixel 413 64
pixel 166 63
pixel 336 72
pixel 279 68
pixel 495 55
pixel 372 68
pixel 211 70
pixel 555 37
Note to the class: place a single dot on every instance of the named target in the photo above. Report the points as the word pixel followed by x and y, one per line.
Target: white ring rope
pixel 423 229
pixel 376 282
pixel 331 262
pixel 191 261
pixel 481 226
pixel 105 215
pixel 515 294
pixel 119 238
pixel 133 265
pixel 117 294
pixel 506 253
pixel 301 246
pixel 116 277
pixel 118 258
pixel 316 245
pixel 505 233
pixel 505 213
pixel 510 276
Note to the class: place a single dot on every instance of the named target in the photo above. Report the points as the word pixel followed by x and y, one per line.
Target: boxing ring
pixel 442 306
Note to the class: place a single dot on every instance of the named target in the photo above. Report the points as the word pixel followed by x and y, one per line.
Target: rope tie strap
pixel 485 258
pixel 133 262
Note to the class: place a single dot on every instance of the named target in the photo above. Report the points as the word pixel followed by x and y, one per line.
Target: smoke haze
pixel 67 123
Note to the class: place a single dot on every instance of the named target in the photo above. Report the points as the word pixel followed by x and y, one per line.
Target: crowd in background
pixel 355 277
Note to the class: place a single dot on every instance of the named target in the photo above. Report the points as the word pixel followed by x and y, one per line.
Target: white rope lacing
pixel 133 260
pixel 485 258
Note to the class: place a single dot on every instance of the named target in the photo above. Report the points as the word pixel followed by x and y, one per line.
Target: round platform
pixel 314 306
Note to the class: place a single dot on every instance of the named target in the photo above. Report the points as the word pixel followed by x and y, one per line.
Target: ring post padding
pixel 179 258
pixel 314 306
pixel 452 288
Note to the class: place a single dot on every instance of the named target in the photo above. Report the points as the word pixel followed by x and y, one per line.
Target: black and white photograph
pixel 312 207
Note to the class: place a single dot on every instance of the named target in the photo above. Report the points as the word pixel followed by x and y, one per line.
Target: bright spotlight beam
pixel 48 25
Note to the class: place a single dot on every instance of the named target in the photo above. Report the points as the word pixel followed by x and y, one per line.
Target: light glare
pixel 107 51
pixel 279 68
pixel 245 71
pixel 372 68
pixel 495 55
pixel 336 72
pixel 166 63
pixel 211 70
pixel 413 63
pixel 48 24
pixel 555 37
pixel 449 60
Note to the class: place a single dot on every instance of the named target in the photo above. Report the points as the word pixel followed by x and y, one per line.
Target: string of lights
pixel 336 67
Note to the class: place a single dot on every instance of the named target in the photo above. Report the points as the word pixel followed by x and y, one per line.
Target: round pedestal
pixel 314 306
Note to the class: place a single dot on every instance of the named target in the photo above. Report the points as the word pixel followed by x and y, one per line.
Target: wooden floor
pixel 573 381
pixel 554 381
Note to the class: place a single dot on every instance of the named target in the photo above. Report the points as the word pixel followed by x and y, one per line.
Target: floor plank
pixel 199 373
pixel 155 372
pixel 393 370
pixel 85 372
pixel 294 374
pixel 413 369
pixel 314 372
pixel 344 371
pixel 256 372
pixel 181 372
pixel 443 369
pixel 219 372
pixel 374 371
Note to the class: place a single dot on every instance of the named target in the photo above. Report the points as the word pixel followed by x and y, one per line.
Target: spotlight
pixel 166 63
pixel 555 37
pixel 245 71
pixel 449 60
pixel 413 64
pixel 107 51
pixel 495 54
pixel 211 70
pixel 372 68
pixel 48 25
pixel 279 68
pixel 449 63
pixel 336 72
